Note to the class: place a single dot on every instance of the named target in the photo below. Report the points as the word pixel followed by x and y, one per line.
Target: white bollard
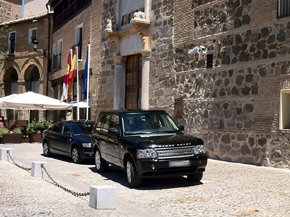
pixel 103 197
pixel 4 155
pixel 37 171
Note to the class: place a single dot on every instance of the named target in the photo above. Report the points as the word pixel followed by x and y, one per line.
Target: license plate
pixel 183 163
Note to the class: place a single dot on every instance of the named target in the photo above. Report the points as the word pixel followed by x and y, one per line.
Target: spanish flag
pixel 72 75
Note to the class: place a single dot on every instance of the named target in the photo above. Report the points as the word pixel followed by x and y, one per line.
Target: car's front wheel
pixel 46 151
pixel 132 176
pixel 75 154
pixel 100 164
pixel 195 177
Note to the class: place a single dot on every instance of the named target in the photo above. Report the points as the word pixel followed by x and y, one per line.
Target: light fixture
pixel 198 49
pixel 35 44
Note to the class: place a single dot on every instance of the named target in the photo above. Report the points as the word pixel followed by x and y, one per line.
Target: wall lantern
pixel 35 44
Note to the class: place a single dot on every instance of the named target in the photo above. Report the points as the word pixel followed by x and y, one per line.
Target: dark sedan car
pixel 68 138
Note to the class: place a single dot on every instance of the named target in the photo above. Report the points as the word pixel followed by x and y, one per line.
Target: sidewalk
pixel 24 195
pixel 227 189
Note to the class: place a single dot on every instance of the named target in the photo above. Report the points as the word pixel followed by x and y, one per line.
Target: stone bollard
pixel 4 155
pixel 103 197
pixel 37 171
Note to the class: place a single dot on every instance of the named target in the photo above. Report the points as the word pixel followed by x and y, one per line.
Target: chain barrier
pixel 16 164
pixel 77 194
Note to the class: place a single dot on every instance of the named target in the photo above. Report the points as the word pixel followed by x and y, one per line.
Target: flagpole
pixel 71 59
pixel 88 80
pixel 78 88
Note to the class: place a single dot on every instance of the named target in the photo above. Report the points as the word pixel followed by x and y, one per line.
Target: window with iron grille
pixel 54 57
pixel 11 42
pixel 32 35
pixel 209 60
pixel 283 8
pixel 79 40
pixel 59 53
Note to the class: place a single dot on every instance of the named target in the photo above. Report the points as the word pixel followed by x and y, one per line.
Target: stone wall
pixel 162 57
pixel 105 83
pixel 233 106
pixel 10 10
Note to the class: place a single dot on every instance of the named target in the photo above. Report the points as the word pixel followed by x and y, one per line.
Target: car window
pixel 100 122
pixel 65 129
pixel 114 122
pixel 56 128
pixel 77 129
pixel 148 123
pixel 106 124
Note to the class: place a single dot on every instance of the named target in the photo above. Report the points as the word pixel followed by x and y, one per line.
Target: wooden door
pixel 133 82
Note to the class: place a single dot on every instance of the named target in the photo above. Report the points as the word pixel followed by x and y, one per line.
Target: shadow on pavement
pixel 68 159
pixel 119 176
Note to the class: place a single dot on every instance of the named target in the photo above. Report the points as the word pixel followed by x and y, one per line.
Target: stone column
pixel 147 7
pixel 145 79
pixel 119 82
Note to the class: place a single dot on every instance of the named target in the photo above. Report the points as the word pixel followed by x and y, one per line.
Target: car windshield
pixel 78 129
pixel 147 123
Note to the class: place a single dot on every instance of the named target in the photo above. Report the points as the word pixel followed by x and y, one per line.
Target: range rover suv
pixel 146 144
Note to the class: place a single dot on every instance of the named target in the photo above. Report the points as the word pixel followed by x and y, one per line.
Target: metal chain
pixel 16 164
pixel 64 188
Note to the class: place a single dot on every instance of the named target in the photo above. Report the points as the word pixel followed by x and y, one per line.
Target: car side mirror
pixel 113 132
pixel 181 128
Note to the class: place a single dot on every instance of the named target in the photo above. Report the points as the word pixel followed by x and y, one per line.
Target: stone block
pixel 37 171
pixel 4 155
pixel 103 197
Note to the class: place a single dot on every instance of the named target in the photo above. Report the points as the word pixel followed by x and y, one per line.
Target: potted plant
pixel 35 130
pixel 11 136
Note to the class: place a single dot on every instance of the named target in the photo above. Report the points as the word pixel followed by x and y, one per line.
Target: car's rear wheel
pixel 195 177
pixel 132 176
pixel 75 154
pixel 100 164
pixel 46 151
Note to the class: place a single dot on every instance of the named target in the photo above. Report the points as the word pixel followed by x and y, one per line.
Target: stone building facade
pixel 235 95
pixel 74 23
pixel 136 48
pixel 10 10
pixel 22 67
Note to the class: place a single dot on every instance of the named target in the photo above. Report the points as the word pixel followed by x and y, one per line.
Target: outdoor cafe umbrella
pixel 2 99
pixel 34 101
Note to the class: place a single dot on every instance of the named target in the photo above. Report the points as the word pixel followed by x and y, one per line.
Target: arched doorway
pixel 32 83
pixel 32 79
pixel 10 87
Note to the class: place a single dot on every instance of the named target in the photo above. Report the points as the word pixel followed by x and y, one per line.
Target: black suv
pixel 146 144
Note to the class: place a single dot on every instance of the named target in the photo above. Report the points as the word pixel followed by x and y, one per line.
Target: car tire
pixel 195 177
pixel 100 164
pixel 132 176
pixel 75 154
pixel 46 151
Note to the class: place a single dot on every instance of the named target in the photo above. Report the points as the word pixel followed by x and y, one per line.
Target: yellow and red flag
pixel 72 75
pixel 66 79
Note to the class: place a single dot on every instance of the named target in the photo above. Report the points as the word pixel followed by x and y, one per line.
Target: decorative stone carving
pixel 139 16
pixel 109 26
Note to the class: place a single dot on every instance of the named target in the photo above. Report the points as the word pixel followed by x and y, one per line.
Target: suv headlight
pixel 198 149
pixel 146 153
pixel 87 145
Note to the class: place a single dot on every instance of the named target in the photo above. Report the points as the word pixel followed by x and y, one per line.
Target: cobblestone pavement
pixel 227 189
